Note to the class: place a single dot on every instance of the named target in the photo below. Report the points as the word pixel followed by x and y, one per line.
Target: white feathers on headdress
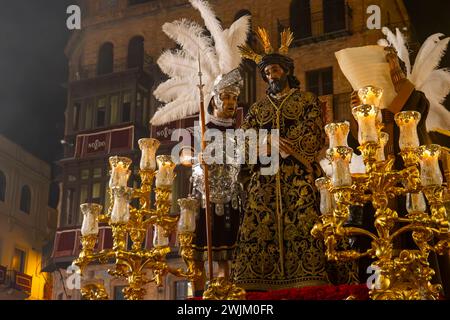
pixel 177 63
pixel 180 92
pixel 434 83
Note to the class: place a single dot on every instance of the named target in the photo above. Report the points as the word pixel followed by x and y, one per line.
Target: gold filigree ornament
pixel 287 36
pixel 401 274
pixel 221 289
pixel 137 265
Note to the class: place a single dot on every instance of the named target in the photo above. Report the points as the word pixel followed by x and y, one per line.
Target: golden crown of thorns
pixel 287 36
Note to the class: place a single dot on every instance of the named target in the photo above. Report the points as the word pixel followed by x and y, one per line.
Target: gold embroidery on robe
pixel 261 262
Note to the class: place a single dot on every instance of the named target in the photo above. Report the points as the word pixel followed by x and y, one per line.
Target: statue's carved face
pixel 276 77
pixel 228 106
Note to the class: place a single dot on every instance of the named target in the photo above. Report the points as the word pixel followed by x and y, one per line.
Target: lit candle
pixel 121 209
pixel 90 213
pixel 415 202
pixel 337 133
pixel 119 171
pixel 159 239
pixel 366 116
pixel 430 173
pixel 186 156
pixel 370 95
pixel 165 174
pixel 384 138
pixel 189 207
pixel 148 148
pixel 326 199
pixel 340 161
pixel 407 122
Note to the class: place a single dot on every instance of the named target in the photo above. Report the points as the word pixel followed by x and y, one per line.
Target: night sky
pixel 33 68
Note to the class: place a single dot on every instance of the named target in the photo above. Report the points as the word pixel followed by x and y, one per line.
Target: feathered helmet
pixel 218 57
pixel 270 56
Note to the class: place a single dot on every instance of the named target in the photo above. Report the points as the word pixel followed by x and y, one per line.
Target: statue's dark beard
pixel 278 85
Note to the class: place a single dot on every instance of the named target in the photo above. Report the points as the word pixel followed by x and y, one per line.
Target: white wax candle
pixel 90 213
pixel 430 173
pixel 338 133
pixel 121 209
pixel 407 122
pixel 148 148
pixel 341 166
pixel 119 176
pixel 366 115
pixel 370 95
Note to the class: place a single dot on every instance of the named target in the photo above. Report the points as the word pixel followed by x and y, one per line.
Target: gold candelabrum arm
pixel 138 265
pixel 398 275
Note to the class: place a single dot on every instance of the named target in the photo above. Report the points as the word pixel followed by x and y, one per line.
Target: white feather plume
pixel 436 88
pixel 169 90
pixel 177 64
pixel 423 70
pixel 213 25
pixel 403 51
pixel 237 35
pixel 175 110
pixel 423 53
pixel 189 35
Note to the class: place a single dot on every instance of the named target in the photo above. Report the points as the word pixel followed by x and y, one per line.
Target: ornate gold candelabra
pixel 403 273
pixel 139 266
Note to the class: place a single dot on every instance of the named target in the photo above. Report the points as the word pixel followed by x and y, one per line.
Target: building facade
pixel 112 74
pixel 27 224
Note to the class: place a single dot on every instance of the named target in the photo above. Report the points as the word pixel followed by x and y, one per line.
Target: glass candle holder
pixel 370 95
pixel 148 148
pixel 407 122
pixel 165 174
pixel 340 161
pixel 90 212
pixel 120 213
pixel 415 202
pixel 189 208
pixel 380 155
pixel 430 173
pixel 366 116
pixel 326 199
pixel 337 133
pixel 120 172
pixel 159 238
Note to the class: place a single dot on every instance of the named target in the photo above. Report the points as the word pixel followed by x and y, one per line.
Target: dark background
pixel 33 68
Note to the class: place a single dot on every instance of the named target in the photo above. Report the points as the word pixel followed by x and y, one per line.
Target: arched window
pixel 300 18
pixel 25 199
pixel 333 15
pixel 2 186
pixel 105 59
pixel 136 52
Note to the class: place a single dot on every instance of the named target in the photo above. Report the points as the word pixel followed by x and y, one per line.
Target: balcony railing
pixel 120 65
pixel 18 284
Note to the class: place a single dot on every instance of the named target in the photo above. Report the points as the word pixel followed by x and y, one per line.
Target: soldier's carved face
pixel 228 107
pixel 276 77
